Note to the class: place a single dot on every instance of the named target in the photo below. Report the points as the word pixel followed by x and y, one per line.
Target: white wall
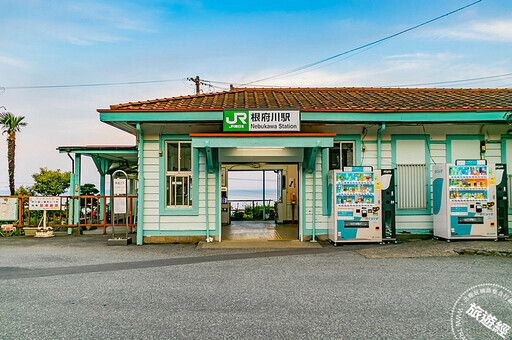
pixel 152 219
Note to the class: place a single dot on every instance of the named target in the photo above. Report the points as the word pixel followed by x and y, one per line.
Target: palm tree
pixel 11 124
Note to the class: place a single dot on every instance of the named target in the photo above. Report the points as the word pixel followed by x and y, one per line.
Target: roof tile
pixel 342 99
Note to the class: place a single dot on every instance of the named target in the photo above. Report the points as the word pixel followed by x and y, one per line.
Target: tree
pixel 51 182
pixel 25 191
pixel 11 124
pixel 88 190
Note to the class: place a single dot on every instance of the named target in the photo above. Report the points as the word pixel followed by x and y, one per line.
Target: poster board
pixel 119 205
pixel 9 208
pixel 44 203
pixel 119 186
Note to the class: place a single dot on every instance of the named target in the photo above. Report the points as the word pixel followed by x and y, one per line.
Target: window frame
pixel 178 173
pixel 192 209
pixel 426 139
pixel 340 143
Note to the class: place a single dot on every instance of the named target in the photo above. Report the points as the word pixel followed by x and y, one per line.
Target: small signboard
pixel 44 203
pixel 261 120
pixel 119 205
pixel 9 209
pixel 119 186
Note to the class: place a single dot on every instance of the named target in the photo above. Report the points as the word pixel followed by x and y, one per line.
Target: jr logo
pixel 242 116
pixel 236 120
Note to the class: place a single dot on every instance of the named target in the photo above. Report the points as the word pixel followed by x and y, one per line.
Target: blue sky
pixel 79 42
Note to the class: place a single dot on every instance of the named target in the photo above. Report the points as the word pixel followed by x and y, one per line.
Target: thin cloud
pixel 497 31
pixel 422 55
pixel 12 62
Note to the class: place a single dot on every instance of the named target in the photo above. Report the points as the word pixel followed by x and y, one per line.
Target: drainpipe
pixel 140 193
pixel 313 231
pixel 207 212
pixel 382 128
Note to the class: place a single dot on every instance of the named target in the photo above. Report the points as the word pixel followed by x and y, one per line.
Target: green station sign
pixel 261 120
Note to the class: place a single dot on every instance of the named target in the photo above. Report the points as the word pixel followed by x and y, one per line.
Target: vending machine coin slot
pixel 364 213
pixel 478 208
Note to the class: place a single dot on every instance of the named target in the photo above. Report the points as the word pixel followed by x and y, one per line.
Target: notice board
pixel 9 209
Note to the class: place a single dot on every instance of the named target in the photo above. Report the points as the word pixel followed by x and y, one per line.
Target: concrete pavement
pixel 82 288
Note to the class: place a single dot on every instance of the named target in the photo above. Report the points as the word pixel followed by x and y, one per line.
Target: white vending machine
pixel 356 214
pixel 465 200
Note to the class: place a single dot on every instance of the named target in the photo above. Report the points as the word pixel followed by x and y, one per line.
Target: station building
pixel 187 145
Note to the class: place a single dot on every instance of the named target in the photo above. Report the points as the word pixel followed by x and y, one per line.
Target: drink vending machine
pixel 356 214
pixel 465 200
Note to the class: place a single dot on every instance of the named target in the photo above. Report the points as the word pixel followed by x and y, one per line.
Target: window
pixel 178 175
pixel 341 154
pixel 411 173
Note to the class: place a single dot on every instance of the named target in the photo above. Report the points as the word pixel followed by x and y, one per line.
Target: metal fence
pixel 95 211
pixel 411 186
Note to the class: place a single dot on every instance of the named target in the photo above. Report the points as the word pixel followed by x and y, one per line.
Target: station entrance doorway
pixel 259 201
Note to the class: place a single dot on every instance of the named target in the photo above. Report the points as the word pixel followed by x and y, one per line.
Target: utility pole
pixel 197 81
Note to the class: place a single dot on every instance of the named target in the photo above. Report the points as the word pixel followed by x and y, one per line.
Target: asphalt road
pixel 88 291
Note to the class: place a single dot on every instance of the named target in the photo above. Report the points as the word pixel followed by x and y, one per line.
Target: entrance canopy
pixel 107 158
pixel 301 147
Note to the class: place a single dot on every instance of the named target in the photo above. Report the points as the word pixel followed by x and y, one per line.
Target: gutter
pixel 140 193
pixel 379 132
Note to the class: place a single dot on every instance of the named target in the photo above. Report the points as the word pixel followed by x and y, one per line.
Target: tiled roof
pixel 334 99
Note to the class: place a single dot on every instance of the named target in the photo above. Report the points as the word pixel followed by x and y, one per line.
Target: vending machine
pixel 465 200
pixel 502 199
pixel 356 205
pixel 387 183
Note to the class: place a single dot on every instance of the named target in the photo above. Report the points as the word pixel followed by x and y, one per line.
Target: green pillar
pixel 70 202
pixel 102 193
pixel 76 189
pixel 140 193
pixel 102 165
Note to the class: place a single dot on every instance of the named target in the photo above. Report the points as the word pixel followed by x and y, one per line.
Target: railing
pixel 239 207
pixel 95 211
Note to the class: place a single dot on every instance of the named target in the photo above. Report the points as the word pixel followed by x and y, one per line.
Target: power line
pixel 504 76
pixel 365 45
pixel 88 85
pixel 455 81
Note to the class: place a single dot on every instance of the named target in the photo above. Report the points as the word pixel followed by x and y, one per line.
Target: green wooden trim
pixel 310 159
pixel 102 164
pixel 303 200
pixel 406 231
pixel 504 147
pixel 164 211
pixel 437 142
pixel 151 116
pixel 177 233
pixel 341 116
pixel 140 192
pixel 317 232
pixel 313 238
pixel 375 142
pixel 151 141
pixel 206 207
pixel 217 200
pixel 325 182
pixel 99 151
pixel 425 116
pixel 426 139
pixel 262 142
pixel 379 144
pixel 449 139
